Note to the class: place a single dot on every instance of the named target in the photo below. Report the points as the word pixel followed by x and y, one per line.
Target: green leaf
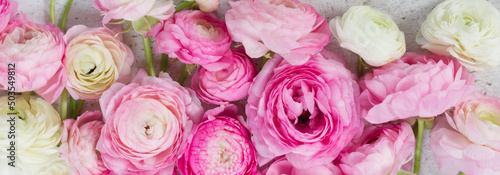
pixel 403 172
pixel 144 24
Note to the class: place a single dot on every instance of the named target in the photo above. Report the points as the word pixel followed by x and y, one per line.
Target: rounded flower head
pixel 219 145
pixel 95 59
pixel 195 37
pixel 418 84
pixel 78 142
pixel 228 84
pixel 284 167
pixel 370 34
pixel 36 52
pixel 7 10
pixel 465 29
pixel 289 28
pixel 37 133
pixel 307 112
pixel 468 139
pixel 208 5
pixel 146 124
pixel 134 10
pixel 387 146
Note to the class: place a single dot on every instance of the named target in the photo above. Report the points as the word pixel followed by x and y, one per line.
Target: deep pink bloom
pixel 7 10
pixel 134 10
pixel 289 28
pixel 37 52
pixel 78 142
pixel 195 37
pixel 468 139
pixel 146 125
pixel 219 145
pixel 222 86
pixel 418 84
pixel 284 167
pixel 381 149
pixel 307 112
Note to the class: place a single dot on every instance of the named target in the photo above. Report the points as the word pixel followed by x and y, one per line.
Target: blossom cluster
pixel 304 111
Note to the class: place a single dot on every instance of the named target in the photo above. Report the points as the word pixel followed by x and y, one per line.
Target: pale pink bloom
pixel 78 142
pixel 307 112
pixel 37 52
pixel 133 10
pixel 95 59
pixel 289 28
pixel 381 149
pixel 208 5
pixel 219 145
pixel 146 125
pixel 418 84
pixel 284 167
pixel 7 11
pixel 468 140
pixel 228 84
pixel 194 37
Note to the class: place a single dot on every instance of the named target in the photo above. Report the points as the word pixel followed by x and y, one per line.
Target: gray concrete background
pixel 408 15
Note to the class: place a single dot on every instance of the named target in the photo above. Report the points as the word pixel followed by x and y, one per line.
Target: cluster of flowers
pixel 306 113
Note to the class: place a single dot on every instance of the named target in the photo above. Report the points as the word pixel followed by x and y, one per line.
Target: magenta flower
pixel 418 84
pixel 146 125
pixel 381 149
pixel 307 112
pixel 37 52
pixel 219 145
pixel 78 142
pixel 194 37
pixel 468 139
pixel 7 10
pixel 289 28
pixel 228 84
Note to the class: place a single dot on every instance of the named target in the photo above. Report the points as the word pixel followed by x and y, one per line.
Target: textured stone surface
pixel 407 14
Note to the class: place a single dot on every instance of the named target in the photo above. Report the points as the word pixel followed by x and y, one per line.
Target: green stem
pixel 52 11
pixel 72 107
pixel 65 15
pixel 149 55
pixel 79 105
pixel 266 58
pixel 184 5
pixel 183 75
pixel 362 66
pixel 164 62
pixel 418 147
pixel 64 104
pixel 461 173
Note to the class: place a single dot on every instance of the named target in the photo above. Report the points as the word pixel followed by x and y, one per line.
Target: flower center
pixel 304 118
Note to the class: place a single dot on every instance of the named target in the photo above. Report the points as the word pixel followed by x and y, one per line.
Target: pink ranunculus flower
pixel 219 145
pixel 418 84
pixel 194 37
pixel 381 149
pixel 37 53
pixel 146 125
pixel 284 167
pixel 468 139
pixel 95 59
pixel 7 11
pixel 228 84
pixel 289 28
pixel 307 112
pixel 78 142
pixel 134 10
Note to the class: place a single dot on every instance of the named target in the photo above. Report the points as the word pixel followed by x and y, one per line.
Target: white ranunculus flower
pixel 370 34
pixel 468 30
pixel 55 167
pixel 37 130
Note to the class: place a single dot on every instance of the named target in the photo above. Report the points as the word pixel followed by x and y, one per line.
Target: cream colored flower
pixel 468 30
pixel 37 130
pixel 370 34
pixel 95 59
